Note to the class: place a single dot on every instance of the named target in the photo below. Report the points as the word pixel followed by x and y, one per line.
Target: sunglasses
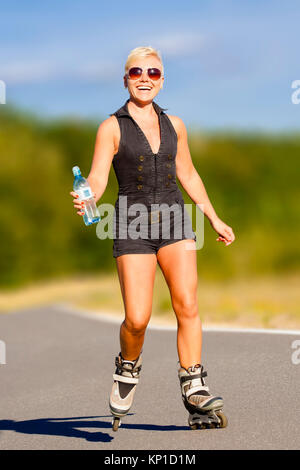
pixel 136 72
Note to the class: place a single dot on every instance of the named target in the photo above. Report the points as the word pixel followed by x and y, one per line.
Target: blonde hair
pixel 143 52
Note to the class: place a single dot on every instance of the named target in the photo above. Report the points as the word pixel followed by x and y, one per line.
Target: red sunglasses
pixel 136 72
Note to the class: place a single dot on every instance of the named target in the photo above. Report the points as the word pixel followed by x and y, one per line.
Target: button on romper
pixel 148 181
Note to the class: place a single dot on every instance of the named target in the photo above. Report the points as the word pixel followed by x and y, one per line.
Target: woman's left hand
pixel 225 232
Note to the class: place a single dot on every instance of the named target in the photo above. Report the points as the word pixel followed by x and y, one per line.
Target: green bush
pixel 250 179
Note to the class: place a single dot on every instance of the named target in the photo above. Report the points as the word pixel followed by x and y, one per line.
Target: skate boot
pixel 126 378
pixel 204 409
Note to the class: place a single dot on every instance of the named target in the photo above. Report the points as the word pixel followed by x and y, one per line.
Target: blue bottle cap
pixel 76 171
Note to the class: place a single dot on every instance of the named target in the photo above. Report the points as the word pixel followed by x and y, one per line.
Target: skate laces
pixel 195 373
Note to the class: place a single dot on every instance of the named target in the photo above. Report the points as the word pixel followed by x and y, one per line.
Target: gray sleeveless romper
pixel 149 211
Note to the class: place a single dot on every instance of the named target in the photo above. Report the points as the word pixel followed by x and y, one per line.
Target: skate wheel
pixel 193 427
pixel 222 417
pixel 196 426
pixel 116 423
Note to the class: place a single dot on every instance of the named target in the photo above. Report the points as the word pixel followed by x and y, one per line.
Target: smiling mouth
pixel 144 88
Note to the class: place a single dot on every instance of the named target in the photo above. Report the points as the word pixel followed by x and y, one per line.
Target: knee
pixel 136 327
pixel 186 309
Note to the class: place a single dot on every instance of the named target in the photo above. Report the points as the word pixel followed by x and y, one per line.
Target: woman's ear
pixel 125 81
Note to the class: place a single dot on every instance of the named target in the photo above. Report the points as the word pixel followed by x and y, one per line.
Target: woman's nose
pixel 144 76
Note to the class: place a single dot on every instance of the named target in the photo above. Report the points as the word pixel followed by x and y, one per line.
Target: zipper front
pixel 155 176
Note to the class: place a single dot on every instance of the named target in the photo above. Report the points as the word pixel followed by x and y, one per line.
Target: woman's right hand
pixel 79 205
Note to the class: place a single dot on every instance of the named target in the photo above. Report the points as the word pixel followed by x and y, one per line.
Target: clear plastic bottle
pixel 83 189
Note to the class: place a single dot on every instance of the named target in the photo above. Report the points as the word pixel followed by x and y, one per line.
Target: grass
pixel 260 302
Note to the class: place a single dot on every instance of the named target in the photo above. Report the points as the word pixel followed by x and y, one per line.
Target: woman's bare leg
pixel 179 267
pixel 136 275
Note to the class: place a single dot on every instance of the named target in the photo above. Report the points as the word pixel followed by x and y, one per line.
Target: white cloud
pixel 24 72
pixel 37 71
pixel 95 71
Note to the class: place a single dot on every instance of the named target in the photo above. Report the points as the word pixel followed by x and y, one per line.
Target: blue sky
pixel 228 64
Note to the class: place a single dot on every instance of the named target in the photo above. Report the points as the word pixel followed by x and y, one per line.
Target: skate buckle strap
pixel 195 368
pixel 126 380
pixel 193 382
pixel 193 377
pixel 134 372
pixel 121 367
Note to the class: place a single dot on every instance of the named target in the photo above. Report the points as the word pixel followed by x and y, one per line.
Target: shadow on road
pixel 68 427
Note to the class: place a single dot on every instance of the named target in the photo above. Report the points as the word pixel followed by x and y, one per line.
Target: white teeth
pixel 143 88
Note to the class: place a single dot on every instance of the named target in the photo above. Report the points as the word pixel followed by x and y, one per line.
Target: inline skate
pixel 126 377
pixel 205 410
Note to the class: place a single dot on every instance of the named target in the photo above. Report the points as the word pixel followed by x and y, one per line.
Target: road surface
pixel 58 375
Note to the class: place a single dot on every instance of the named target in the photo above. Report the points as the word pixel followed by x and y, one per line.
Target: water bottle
pixel 83 189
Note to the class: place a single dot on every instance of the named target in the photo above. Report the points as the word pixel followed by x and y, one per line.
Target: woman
pixel 148 149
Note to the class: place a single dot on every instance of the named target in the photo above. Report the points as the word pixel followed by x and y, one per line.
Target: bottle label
pixel 84 193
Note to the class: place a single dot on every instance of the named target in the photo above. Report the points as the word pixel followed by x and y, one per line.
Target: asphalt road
pixel 58 375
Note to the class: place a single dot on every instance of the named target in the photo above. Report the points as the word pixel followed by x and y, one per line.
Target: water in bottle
pixel 83 189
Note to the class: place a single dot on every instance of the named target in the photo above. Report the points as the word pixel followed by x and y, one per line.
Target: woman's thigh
pixel 136 275
pixel 179 267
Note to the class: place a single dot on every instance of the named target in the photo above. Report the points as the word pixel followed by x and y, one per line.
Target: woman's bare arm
pixel 187 173
pixel 105 147
pixel 193 185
